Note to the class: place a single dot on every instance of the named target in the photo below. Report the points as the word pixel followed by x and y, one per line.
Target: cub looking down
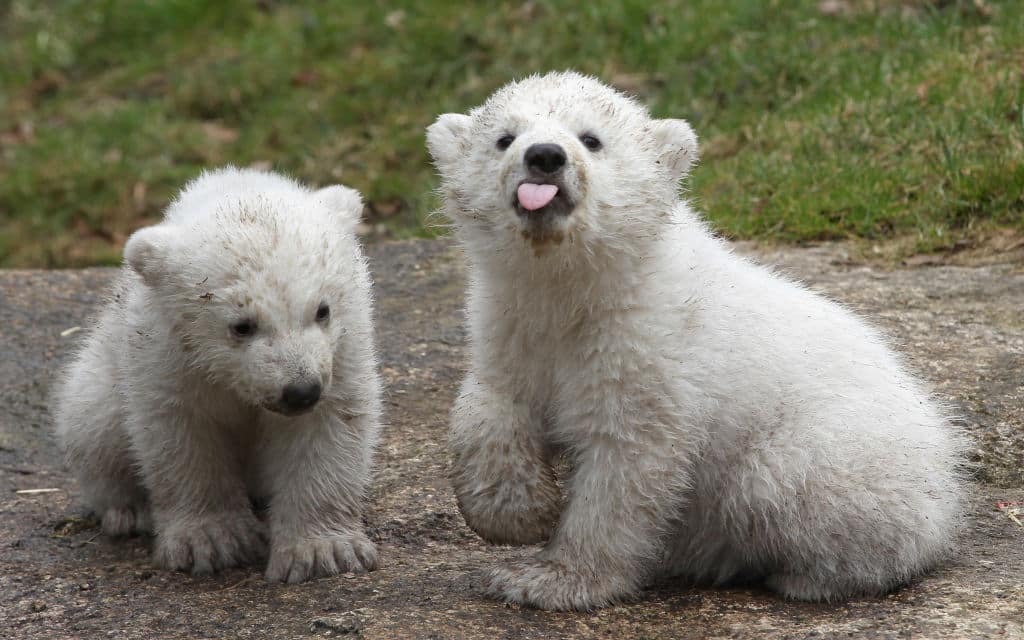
pixel 720 421
pixel 234 363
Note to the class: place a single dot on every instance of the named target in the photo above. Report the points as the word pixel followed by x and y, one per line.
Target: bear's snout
pixel 545 158
pixel 300 396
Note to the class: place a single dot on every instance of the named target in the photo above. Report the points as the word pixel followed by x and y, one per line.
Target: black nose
pixel 301 395
pixel 546 157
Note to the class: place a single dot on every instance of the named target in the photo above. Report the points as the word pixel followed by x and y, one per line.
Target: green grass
pixel 886 119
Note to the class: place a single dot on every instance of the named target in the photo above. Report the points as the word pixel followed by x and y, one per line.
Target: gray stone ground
pixel 962 328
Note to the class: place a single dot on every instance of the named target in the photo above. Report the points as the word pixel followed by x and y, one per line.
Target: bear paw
pixel 552 585
pixel 818 589
pixel 307 559
pixel 211 543
pixel 126 520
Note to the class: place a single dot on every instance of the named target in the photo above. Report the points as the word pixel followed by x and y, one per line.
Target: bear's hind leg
pixel 831 586
pixel 89 430
pixel 503 480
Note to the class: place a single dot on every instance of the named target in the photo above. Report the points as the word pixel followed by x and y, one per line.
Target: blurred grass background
pixel 897 121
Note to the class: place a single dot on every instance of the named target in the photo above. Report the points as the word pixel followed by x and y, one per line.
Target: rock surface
pixel 961 327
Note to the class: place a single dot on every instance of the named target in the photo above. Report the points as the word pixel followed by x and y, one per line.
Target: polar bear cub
pixel 721 422
pixel 234 364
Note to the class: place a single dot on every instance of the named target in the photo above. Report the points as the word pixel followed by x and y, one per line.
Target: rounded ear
pixel 150 252
pixel 344 203
pixel 675 144
pixel 445 138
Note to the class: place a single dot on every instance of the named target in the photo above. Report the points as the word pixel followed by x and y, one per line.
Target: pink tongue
pixel 535 196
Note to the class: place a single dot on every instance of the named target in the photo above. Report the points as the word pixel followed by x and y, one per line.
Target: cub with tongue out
pixel 719 421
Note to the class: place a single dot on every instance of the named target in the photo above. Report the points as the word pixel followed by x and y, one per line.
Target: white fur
pixel 721 422
pixel 173 423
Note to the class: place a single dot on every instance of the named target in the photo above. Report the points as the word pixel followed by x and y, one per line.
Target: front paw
pixel 556 586
pixel 208 543
pixel 509 509
pixel 298 561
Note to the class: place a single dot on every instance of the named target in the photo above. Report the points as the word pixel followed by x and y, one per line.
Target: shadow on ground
pixel 962 327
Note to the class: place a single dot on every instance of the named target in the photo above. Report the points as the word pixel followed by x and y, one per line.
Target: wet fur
pixel 722 421
pixel 165 417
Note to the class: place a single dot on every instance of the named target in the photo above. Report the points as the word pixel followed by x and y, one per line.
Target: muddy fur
pixel 722 421
pixel 174 422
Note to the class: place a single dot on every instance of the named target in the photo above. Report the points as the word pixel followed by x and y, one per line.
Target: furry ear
pixel 445 136
pixel 150 252
pixel 344 203
pixel 675 144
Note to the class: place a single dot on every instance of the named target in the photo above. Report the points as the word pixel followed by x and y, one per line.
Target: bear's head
pixel 258 285
pixel 560 157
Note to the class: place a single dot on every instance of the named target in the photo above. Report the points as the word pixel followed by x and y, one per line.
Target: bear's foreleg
pixel 319 468
pixel 201 511
pixel 630 476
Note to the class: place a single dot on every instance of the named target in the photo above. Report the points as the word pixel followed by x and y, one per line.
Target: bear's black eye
pixel 505 141
pixel 323 312
pixel 243 328
pixel 591 142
